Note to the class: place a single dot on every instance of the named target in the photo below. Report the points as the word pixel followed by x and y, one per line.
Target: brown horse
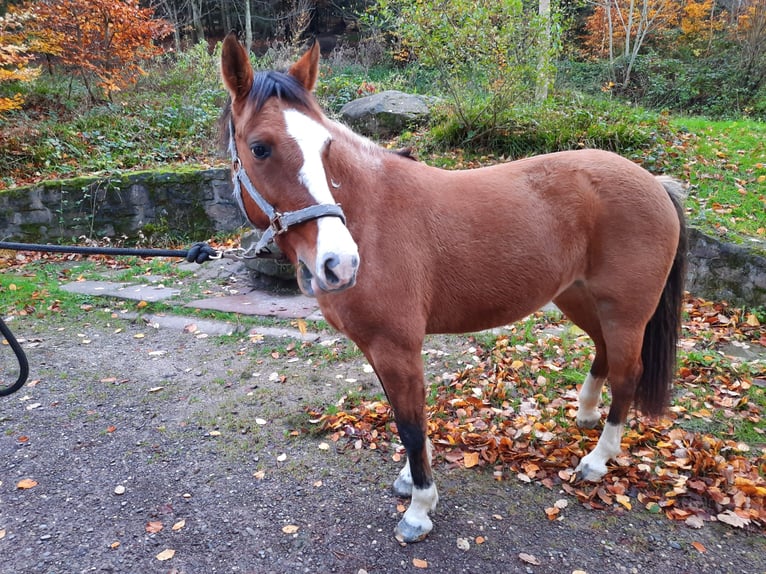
pixel 417 250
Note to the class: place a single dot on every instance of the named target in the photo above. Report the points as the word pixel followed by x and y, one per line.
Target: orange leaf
pixel 419 563
pixel 470 459
pixel 166 554
pixel 699 547
pixel 26 484
pixel 154 526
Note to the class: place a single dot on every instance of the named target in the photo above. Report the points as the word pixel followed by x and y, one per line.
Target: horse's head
pixel 279 142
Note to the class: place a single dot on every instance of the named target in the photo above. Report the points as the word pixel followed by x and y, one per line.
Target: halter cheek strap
pixel 278 222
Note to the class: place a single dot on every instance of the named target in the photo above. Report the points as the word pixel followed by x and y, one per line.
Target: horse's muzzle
pixel 332 273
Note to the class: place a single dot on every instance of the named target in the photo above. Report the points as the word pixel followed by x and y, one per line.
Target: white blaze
pixel 333 237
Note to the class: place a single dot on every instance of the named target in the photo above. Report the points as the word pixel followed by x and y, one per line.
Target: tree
pixel 484 53
pixel 15 59
pixel 102 41
pixel 619 28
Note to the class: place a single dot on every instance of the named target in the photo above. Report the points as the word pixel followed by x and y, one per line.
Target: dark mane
pixel 269 84
pixel 266 84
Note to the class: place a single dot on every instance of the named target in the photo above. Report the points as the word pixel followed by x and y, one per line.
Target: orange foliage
pixel 101 39
pixel 629 18
pixel 14 58
pixel 698 21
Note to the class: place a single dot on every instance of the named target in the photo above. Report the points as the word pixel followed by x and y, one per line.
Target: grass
pixel 725 163
pixel 170 117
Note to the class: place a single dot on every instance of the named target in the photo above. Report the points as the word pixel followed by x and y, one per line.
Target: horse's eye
pixel 260 151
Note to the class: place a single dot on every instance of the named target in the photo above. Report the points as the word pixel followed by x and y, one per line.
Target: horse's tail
pixel 658 353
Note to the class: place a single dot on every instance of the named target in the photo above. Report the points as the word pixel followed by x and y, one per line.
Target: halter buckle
pixel 278 224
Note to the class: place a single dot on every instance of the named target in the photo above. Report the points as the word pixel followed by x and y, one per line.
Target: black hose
pixel 22 358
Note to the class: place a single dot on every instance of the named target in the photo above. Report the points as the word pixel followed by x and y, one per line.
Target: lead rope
pixel 197 253
pixel 20 356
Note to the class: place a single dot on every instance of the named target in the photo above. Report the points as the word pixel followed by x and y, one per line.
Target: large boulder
pixel 386 113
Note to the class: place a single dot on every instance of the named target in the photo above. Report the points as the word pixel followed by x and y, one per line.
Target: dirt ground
pixel 146 442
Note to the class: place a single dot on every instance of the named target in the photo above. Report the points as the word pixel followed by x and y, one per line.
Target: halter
pixel 279 223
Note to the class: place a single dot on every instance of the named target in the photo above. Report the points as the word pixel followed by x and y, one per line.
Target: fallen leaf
pixel 166 554
pixel 259 474
pixel 323 446
pixel 2 533
pixel 290 529
pixel 694 522
pixel 529 559
pixel 699 547
pixel 732 519
pixel 154 526
pixel 480 540
pixel 178 525
pixel 470 459
pixel 26 484
pixel 115 545
pixel 419 563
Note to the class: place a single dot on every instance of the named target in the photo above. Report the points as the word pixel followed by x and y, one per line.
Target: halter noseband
pixel 279 222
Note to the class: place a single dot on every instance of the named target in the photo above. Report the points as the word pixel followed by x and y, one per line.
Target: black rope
pixel 20 356
pixel 199 252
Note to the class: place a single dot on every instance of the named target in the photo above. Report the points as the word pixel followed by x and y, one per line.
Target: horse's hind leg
pixel 624 347
pixel 400 371
pixel 577 304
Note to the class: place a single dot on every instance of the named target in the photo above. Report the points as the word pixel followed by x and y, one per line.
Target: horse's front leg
pixel 401 373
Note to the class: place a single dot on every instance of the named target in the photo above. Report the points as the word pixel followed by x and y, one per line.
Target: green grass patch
pixel 725 163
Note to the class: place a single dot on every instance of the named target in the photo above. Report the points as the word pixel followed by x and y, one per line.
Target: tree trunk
pixel 199 29
pixel 544 79
pixel 248 27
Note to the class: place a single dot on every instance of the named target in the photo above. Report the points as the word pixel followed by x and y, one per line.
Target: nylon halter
pixel 279 222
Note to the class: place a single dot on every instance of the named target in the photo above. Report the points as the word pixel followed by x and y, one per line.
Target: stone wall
pixel 191 202
pixel 724 271
pixel 196 204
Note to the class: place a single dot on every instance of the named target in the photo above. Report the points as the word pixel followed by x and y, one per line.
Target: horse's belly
pixel 479 314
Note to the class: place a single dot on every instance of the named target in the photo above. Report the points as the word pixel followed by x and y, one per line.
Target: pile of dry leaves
pixel 511 409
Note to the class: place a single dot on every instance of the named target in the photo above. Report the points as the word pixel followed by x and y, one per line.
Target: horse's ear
pixel 236 70
pixel 306 70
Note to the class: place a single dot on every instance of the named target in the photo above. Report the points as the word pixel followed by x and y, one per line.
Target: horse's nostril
pixel 329 264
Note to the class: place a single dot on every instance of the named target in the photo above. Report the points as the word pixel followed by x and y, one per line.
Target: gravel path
pixel 162 450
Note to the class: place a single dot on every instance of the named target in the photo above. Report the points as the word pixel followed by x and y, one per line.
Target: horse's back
pixel 525 231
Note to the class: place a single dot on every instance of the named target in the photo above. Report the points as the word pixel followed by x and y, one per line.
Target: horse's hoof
pixel 587 423
pixel 406 533
pixel 402 487
pixel 590 472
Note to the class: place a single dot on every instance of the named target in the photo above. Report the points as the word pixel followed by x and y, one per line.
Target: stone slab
pixel 148 293
pixel 263 304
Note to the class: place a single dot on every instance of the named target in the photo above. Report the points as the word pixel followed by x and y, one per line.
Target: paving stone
pixel 148 293
pixel 261 303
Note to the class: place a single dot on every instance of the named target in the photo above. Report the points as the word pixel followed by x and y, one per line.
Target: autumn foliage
pixel 15 58
pixel 102 41
pixel 497 413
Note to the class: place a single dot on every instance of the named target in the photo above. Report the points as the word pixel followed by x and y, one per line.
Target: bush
pixel 566 122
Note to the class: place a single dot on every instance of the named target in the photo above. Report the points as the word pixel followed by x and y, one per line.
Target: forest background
pixel 98 86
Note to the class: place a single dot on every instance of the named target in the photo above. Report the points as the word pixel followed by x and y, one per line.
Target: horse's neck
pixel 368 174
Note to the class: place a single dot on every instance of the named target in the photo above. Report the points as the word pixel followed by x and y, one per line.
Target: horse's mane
pixel 283 86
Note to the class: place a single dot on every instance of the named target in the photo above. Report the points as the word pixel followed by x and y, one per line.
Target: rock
pixel 386 113
pixel 718 270
pixel 266 273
